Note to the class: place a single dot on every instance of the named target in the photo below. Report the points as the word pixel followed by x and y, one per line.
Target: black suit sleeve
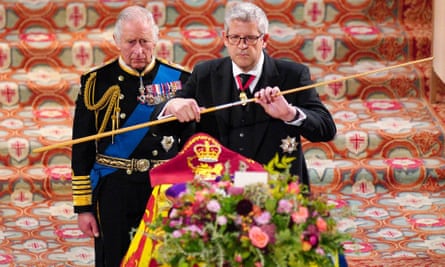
pixel 319 126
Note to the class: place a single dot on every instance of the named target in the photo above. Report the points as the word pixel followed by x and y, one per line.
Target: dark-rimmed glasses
pixel 235 39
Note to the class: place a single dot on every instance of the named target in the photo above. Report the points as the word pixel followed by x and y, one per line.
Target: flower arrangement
pixel 274 224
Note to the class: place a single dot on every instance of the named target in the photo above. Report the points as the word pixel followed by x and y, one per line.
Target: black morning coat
pixel 248 129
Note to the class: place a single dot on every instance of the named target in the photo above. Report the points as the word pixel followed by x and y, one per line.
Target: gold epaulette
pixel 95 68
pixel 82 192
pixel 173 65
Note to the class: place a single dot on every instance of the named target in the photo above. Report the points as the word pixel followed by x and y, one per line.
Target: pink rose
pixel 301 215
pixel 293 188
pixel 258 238
pixel 321 224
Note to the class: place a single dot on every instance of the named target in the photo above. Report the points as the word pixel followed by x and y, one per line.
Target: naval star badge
pixel 289 144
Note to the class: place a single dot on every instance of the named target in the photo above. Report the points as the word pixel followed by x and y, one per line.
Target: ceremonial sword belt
pixel 130 165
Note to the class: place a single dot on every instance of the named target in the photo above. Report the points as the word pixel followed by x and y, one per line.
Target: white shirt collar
pixel 257 70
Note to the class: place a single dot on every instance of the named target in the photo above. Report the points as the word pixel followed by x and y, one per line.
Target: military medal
pixel 156 93
pixel 141 97
pixel 149 94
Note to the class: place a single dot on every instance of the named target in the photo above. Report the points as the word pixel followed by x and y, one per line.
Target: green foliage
pixel 273 224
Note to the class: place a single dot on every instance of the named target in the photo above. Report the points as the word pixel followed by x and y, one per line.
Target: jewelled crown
pixel 207 152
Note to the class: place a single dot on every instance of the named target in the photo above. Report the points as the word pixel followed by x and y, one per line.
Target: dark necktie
pixel 244 81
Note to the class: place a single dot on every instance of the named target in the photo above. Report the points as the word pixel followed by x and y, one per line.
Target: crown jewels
pixel 207 152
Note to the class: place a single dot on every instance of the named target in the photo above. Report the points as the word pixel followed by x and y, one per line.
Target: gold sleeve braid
pixel 109 100
pixel 82 192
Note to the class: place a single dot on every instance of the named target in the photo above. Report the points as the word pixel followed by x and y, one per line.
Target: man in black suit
pixel 275 122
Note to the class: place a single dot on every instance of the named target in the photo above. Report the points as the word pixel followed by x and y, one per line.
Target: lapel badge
pixel 167 142
pixel 289 144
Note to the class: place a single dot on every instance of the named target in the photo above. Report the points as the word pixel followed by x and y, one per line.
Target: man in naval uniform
pixel 110 175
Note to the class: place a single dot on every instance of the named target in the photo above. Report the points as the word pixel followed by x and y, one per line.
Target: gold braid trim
pixel 82 192
pixel 110 101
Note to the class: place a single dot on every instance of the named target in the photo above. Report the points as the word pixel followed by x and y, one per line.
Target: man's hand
pixel 184 109
pixel 87 224
pixel 275 104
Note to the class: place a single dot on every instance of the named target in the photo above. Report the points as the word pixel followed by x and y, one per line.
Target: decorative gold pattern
pixel 82 193
pixel 109 100
pixel 130 165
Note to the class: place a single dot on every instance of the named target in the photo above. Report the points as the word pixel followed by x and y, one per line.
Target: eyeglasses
pixel 234 39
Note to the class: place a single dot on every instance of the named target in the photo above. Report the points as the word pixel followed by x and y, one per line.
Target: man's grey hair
pixel 246 12
pixel 135 13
